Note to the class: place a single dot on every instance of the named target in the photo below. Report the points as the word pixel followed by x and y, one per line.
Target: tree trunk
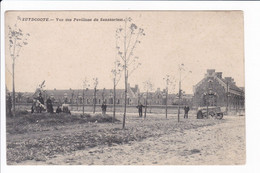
pixel 166 103
pixel 227 99
pixel 83 102
pixel 179 101
pixel 13 91
pixel 95 90
pixel 145 110
pixel 125 99
pixel 126 75
pixel 114 102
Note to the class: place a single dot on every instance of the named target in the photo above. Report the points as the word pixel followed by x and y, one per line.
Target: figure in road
pixel 9 105
pixel 186 111
pixel 140 109
pixel 104 108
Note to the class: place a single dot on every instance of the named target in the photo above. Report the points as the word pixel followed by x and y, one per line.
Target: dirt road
pixel 218 144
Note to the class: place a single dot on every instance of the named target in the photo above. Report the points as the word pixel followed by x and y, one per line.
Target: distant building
pixel 75 96
pixel 72 96
pixel 214 90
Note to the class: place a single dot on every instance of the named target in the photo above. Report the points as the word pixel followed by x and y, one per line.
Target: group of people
pixel 38 106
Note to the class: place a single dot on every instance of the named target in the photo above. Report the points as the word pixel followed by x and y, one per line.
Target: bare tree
pixel 128 38
pixel 17 39
pixel 72 97
pixel 169 81
pixel 181 69
pixel 148 86
pixel 77 100
pixel 116 72
pixel 95 84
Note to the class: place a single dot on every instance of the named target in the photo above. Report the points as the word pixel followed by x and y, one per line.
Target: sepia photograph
pixel 125 87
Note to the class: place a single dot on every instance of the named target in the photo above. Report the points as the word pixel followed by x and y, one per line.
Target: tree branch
pixel 131 52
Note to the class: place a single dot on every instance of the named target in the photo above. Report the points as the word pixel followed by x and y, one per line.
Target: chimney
pixel 158 89
pixel 210 72
pixel 230 80
pixel 219 74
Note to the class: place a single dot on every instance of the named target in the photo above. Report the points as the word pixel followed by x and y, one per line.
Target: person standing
pixel 104 108
pixel 49 105
pixel 41 99
pixel 9 105
pixel 140 109
pixel 186 111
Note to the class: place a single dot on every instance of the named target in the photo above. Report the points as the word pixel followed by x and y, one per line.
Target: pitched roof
pixel 224 82
pixel 231 85
pixel 89 92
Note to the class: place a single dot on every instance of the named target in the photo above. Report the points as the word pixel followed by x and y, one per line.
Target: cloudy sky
pixel 64 53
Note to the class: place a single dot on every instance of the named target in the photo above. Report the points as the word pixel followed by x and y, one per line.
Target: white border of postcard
pixel 252 66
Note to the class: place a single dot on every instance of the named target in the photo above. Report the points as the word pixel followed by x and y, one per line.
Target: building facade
pixel 90 96
pixel 214 90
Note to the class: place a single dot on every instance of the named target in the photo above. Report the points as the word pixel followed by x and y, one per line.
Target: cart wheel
pixel 219 116
pixel 212 113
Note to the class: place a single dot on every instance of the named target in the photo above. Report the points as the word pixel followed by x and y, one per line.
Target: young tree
pixel 95 83
pixel 72 97
pixel 17 39
pixel 181 69
pixel 128 38
pixel 169 82
pixel 77 100
pixel 116 72
pixel 85 85
pixel 148 86
pixel 103 94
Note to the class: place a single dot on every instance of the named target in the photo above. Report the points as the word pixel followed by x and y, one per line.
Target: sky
pixel 64 53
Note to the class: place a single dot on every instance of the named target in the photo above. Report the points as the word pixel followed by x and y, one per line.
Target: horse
pixel 37 106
